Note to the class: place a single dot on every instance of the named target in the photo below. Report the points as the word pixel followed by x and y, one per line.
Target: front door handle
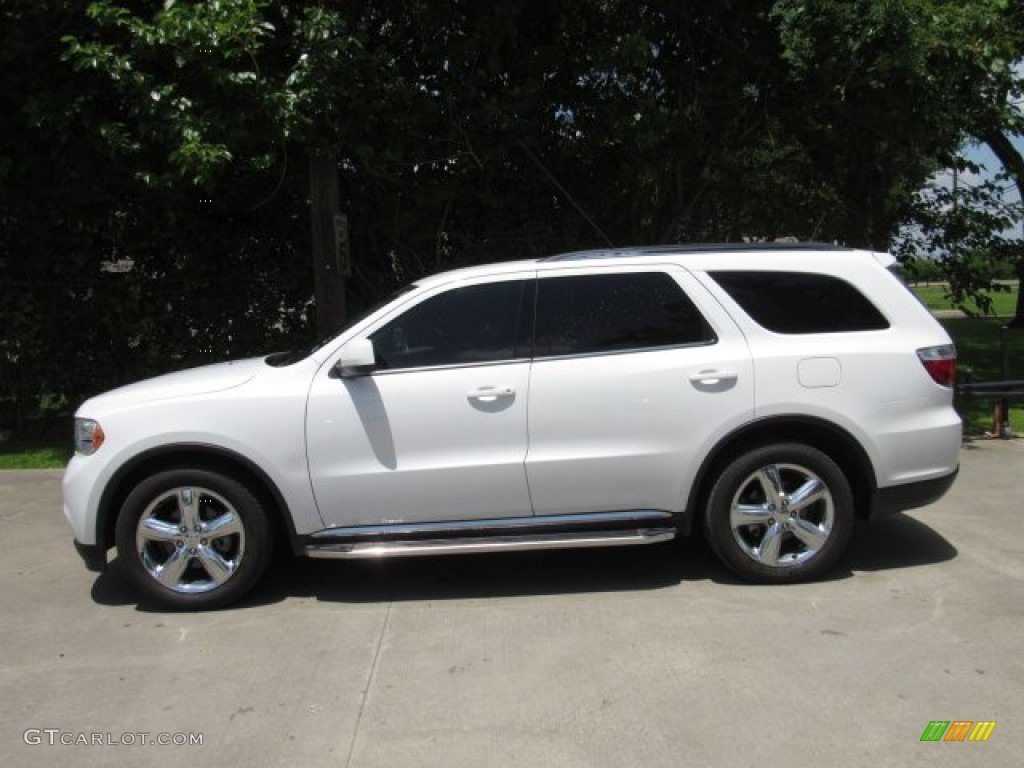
pixel 490 394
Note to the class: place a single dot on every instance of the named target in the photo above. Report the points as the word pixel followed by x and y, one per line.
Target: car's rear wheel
pixel 780 513
pixel 193 539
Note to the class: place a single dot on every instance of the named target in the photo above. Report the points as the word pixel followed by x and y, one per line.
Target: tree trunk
pixel 328 272
pixel 1013 163
pixel 1018 313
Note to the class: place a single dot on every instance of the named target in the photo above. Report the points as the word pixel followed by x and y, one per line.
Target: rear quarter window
pixel 801 302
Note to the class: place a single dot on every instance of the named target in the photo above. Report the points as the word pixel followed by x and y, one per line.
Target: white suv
pixel 768 393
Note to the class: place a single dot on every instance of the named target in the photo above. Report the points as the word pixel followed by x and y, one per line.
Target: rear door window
pixel 615 312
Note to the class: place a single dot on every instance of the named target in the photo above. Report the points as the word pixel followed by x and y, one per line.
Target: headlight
pixel 88 436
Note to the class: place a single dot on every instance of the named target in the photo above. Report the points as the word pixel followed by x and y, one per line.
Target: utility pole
pixel 956 210
pixel 331 263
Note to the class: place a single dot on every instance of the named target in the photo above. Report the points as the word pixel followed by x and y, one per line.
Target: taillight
pixel 940 362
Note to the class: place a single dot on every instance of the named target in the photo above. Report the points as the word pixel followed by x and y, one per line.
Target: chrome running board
pixel 442 529
pixel 350 550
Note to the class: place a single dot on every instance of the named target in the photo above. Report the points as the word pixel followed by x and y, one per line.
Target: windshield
pixel 292 356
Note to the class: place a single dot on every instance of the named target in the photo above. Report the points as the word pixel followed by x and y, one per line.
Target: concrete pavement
pixel 649 656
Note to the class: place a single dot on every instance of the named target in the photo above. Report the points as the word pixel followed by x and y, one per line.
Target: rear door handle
pixel 710 377
pixel 489 394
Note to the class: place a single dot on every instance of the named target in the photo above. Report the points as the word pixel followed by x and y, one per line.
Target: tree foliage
pixel 965 228
pixel 171 142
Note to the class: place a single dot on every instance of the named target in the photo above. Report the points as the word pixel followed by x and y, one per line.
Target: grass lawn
pixel 978 354
pixel 1004 303
pixel 18 454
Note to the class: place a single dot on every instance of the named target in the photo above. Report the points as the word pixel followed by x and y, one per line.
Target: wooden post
pixel 329 252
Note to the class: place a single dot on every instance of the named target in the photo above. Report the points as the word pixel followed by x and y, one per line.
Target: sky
pixel 983 156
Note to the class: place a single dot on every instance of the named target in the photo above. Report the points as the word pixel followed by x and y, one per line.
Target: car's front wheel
pixel 193 539
pixel 780 513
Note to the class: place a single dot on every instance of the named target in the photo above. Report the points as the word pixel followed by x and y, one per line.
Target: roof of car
pixel 654 250
pixel 699 255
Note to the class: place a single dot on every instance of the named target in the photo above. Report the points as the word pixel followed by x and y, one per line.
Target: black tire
pixel 191 567
pixel 768 540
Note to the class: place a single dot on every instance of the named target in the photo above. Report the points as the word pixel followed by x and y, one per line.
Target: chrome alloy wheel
pixel 190 540
pixel 782 515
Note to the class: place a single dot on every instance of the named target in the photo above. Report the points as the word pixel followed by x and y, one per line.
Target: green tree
pixel 175 142
pixel 966 231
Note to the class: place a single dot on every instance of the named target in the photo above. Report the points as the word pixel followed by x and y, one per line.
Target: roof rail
pixel 653 250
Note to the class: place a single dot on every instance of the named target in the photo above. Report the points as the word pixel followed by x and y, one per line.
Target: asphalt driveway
pixel 649 656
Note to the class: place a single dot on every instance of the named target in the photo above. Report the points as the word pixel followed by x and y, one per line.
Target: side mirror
pixel 357 359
